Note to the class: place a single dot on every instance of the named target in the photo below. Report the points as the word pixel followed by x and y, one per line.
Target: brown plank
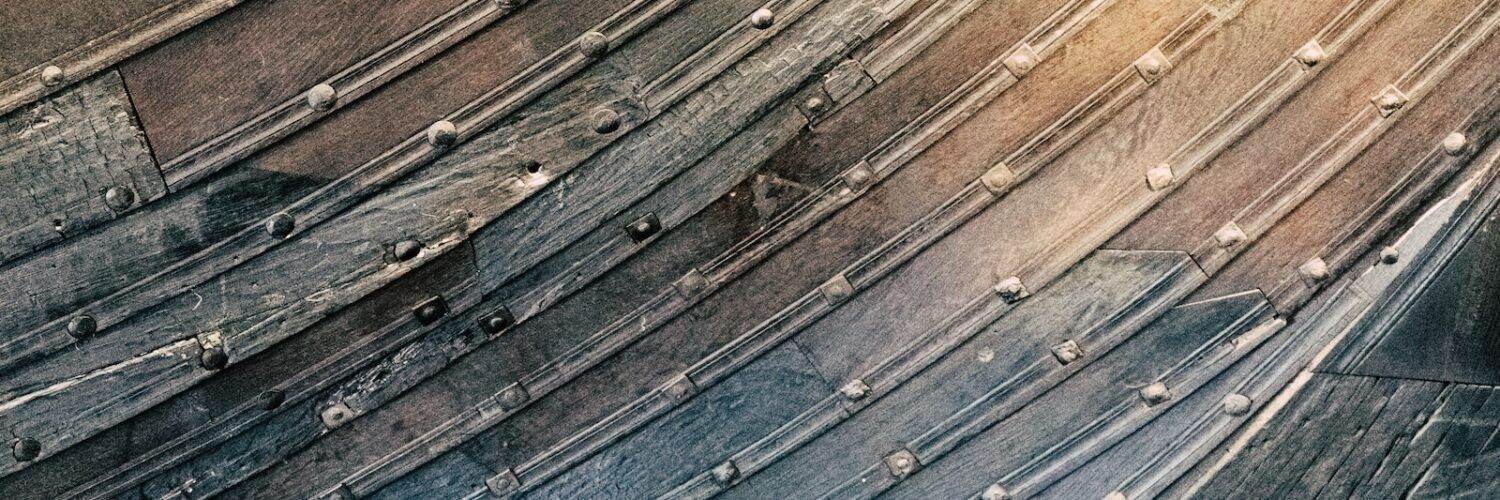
pixel 263 53
pixel 203 406
pixel 1197 208
pixel 1310 230
pixel 35 31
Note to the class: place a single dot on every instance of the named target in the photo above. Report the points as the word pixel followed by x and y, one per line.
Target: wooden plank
pixel 202 417
pixel 1314 228
pixel 956 379
pixel 698 435
pixel 69 162
pixel 1078 412
pixel 35 32
pixel 265 53
pixel 1250 166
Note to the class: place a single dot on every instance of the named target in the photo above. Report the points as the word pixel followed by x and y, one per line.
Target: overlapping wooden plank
pixel 700 434
pixel 1364 64
pixel 466 380
pixel 35 32
pixel 264 53
pixel 69 162
pixel 1019 449
pixel 1096 294
pixel 690 98
pixel 205 416
pixel 564 119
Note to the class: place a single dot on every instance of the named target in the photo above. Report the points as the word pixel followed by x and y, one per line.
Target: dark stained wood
pixel 65 153
pixel 263 53
pixel 36 31
pixel 211 404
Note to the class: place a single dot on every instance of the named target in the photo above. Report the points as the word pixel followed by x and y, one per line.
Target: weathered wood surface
pixel 791 179
pixel 54 44
pixel 69 162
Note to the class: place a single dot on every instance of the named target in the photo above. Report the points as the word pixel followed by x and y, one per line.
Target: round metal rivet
pixel 119 198
pixel 494 324
pixel 816 105
pixel 1310 55
pixel 606 120
pixel 431 310
pixel 272 399
pixel 1156 393
pixel 1389 255
pixel 214 358
pixel 762 18
pixel 513 397
pixel 1236 404
pixel 1151 67
pixel 25 449
pixel 442 134
pixel 405 250
pixel 1455 143
pixel 52 76
pixel 593 44
pixel 336 415
pixel 280 225
pixel 82 326
pixel 322 97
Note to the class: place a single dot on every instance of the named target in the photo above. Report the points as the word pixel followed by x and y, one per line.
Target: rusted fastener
pixel 1021 61
pixel 995 492
pixel 119 198
pixel 1155 394
pixel 593 44
pixel 336 415
pixel 82 326
pixel 762 18
pixel 503 484
pixel 52 76
pixel 1067 352
pixel 1230 235
pixel 1389 255
pixel 1455 143
pixel 1314 271
pixel 837 289
pixel 430 310
pixel 643 228
pixel 280 225
pixel 1152 65
pixel 1236 405
pixel 513 397
pixel 1011 290
pixel 405 250
pixel 1311 54
pixel 854 390
pixel 725 473
pixel 442 134
pixel 322 97
pixel 497 321
pixel 681 387
pixel 271 399
pixel 606 120
pixel 901 463
pixel 1389 100
pixel 25 449
pixel 213 358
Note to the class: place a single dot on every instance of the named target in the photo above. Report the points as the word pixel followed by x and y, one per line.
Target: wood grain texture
pixel 263 53
pixel 60 156
pixel 35 32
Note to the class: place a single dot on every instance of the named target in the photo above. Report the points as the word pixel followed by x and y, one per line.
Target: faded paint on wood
pixel 59 158
pixel 263 53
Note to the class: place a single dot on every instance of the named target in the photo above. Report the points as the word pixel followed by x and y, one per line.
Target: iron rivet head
pixel 837 289
pixel 52 76
pixel 322 97
pixel 1067 352
pixel 405 250
pixel 1314 270
pixel 213 358
pixel 341 493
pixel 272 399
pixel 901 463
pixel 1116 495
pixel 998 178
pixel 430 310
pixel 1011 289
pixel 1022 61
pixel 119 198
pixel 82 326
pixel 503 484
pixel 336 415
pixel 513 397
pixel 858 177
pixel 1310 54
pixel 1159 177
pixel 280 225
pixel 1389 100
pixel 643 228
pixel 762 18
pixel 606 120
pixel 593 44
pixel 1230 235
pixel 1155 394
pixel 25 449
pixel 1389 255
pixel 497 321
pixel 815 105
pixel 1152 65
pixel 681 387
pixel 691 284
pixel 1455 143
pixel 1236 404
pixel 442 134
pixel 725 473
pixel 995 492
pixel 855 390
